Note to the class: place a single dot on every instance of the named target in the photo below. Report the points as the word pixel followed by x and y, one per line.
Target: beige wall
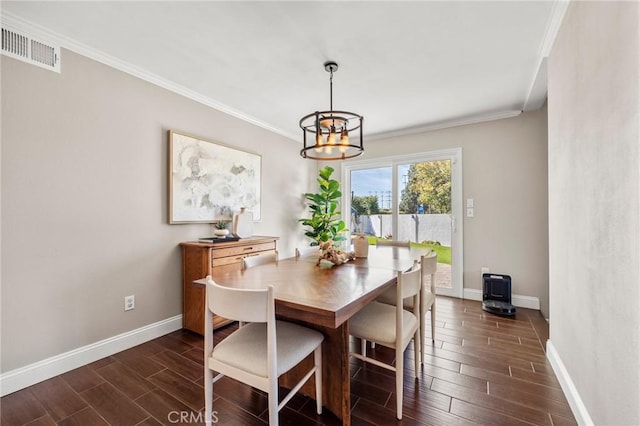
pixel 505 172
pixel 594 131
pixel 84 195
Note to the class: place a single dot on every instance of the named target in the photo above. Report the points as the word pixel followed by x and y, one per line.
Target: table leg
pixel 335 372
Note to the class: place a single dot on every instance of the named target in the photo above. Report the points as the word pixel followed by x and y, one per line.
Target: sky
pixel 373 181
pixel 363 182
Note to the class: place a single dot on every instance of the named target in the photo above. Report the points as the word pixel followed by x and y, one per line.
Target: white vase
pixel 361 245
pixel 243 223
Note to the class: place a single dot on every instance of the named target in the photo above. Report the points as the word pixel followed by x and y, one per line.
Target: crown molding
pixel 474 119
pixel 13 21
pixel 538 89
pixel 555 22
pixel 537 93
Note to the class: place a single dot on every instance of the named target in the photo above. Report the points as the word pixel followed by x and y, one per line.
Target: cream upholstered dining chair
pixel 390 299
pixel 261 259
pixel 391 326
pixel 383 242
pixel 428 266
pixel 261 351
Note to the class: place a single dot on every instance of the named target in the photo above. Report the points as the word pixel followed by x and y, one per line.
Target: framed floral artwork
pixel 209 181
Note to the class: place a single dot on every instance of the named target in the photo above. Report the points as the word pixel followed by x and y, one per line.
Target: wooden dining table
pixel 324 298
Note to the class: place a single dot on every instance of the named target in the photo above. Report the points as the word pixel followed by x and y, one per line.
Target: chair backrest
pixel 240 304
pixel 409 283
pixel 408 286
pixel 429 265
pixel 261 259
pixel 382 242
pixel 306 250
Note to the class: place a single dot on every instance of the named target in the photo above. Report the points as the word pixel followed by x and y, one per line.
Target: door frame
pixel 457 218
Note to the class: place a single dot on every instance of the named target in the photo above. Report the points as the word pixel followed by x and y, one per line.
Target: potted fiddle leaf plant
pixel 325 223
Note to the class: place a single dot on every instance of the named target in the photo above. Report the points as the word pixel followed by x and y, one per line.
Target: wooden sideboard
pixel 200 259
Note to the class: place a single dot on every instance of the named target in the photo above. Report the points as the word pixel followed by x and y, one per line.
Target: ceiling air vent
pixel 25 48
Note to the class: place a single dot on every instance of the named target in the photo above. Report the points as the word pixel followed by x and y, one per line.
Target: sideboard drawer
pixel 229 260
pixel 241 250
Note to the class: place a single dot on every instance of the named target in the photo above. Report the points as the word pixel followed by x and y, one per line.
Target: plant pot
pixel 220 232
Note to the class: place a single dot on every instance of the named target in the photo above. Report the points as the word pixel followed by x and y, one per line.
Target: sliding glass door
pixel 417 199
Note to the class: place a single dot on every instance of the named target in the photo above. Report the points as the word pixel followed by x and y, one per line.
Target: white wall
pixel 84 202
pixel 505 172
pixel 594 212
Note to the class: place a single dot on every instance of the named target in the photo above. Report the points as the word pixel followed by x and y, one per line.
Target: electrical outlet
pixel 484 270
pixel 129 302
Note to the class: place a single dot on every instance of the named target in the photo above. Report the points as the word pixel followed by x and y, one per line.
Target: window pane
pixel 424 208
pixel 371 201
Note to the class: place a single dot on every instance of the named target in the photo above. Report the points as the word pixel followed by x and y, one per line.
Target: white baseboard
pixel 517 300
pixel 37 372
pixel 570 392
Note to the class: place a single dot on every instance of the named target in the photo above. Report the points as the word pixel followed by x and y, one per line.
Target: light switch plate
pixel 469 202
pixel 470 212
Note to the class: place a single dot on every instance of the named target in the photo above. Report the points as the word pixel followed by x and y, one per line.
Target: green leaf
pixel 326 172
pixel 334 195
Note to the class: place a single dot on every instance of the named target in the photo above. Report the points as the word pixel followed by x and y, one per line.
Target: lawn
pixel 444 252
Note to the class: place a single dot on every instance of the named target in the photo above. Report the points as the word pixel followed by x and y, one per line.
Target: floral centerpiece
pixel 333 255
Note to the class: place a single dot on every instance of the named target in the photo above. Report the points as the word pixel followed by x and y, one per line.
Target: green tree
pixel 408 196
pixel 365 205
pixel 428 183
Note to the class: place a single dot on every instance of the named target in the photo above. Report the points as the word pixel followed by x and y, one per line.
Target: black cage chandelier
pixel 330 130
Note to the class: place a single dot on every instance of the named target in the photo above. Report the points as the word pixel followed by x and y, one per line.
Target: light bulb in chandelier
pixel 319 141
pixel 344 140
pixel 331 140
pixel 344 136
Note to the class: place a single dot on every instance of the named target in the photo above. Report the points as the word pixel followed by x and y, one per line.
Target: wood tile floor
pixel 482 369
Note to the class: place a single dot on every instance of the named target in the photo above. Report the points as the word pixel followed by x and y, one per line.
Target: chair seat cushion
pixel 377 322
pixel 246 348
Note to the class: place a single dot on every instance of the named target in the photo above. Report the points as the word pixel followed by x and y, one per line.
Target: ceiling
pixel 405 66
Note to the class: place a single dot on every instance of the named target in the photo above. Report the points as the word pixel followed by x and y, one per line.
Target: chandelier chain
pixel 331 89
